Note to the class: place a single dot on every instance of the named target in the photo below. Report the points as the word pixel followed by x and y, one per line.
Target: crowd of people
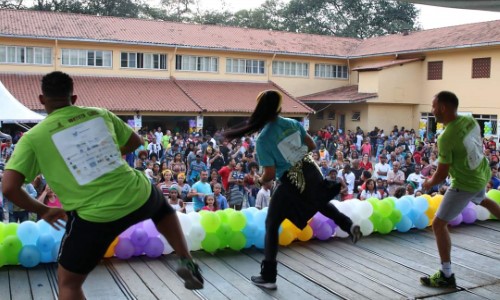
pixel 198 171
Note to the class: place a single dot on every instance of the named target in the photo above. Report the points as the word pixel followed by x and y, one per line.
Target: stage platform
pixel 378 267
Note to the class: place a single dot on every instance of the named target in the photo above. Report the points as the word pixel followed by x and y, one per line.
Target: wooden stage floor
pixel 378 267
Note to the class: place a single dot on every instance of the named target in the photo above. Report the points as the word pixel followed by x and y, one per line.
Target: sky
pixel 430 16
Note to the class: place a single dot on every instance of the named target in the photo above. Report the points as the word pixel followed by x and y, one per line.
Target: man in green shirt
pixel 79 151
pixel 461 156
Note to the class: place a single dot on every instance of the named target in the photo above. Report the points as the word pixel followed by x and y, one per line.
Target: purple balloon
pixel 469 215
pixel 139 237
pixel 138 250
pixel 317 221
pixel 470 205
pixel 150 228
pixel 331 223
pixel 127 233
pixel 154 247
pixel 456 221
pixel 124 249
pixel 324 232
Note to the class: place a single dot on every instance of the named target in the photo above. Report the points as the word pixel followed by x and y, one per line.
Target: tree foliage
pixel 349 18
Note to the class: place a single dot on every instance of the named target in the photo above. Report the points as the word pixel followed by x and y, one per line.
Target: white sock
pixel 446 268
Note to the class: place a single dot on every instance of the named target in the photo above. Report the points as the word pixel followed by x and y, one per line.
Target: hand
pixel 54 217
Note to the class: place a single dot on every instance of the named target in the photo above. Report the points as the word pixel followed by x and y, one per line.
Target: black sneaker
pixel 259 281
pixel 439 280
pixel 189 271
pixel 356 234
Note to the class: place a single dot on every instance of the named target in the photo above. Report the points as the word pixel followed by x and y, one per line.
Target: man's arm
pixel 133 143
pixel 12 183
pixel 438 177
pixel 311 145
pixel 269 174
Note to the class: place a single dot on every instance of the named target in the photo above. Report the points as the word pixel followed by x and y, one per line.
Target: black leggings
pixel 288 202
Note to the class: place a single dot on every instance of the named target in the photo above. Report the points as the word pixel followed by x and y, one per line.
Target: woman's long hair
pixel 267 109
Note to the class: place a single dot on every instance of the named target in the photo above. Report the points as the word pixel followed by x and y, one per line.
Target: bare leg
pixel 443 240
pixel 492 206
pixel 70 284
pixel 170 227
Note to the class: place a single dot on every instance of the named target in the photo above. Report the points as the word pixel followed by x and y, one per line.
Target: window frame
pixel 245 66
pixel 356 116
pixel 84 56
pixel 26 55
pixel 287 68
pixel 331 71
pixel 433 70
pixel 475 73
pixel 195 63
pixel 153 61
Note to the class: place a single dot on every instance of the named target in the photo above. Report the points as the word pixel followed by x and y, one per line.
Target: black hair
pixel 367 174
pixel 252 165
pixel 57 85
pixel 448 98
pixel 267 109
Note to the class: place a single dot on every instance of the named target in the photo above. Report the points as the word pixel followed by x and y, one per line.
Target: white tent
pixel 12 111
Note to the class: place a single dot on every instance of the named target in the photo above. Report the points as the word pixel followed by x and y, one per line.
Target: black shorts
pixel 85 243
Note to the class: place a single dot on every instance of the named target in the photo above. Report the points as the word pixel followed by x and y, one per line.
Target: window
pixel 320 115
pixel 356 116
pixel 139 60
pixel 481 67
pixel 290 68
pixel 86 58
pixel 25 55
pixel 435 70
pixel 331 115
pixel 245 66
pixel 331 71
pixel 196 63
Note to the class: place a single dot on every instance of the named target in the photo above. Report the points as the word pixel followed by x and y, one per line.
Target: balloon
pixel 469 215
pixel 260 219
pixel 364 209
pixel 29 256
pixel 211 242
pixel 45 242
pixel 404 204
pixel 223 215
pixel 43 226
pixel 194 246
pixel 166 246
pixel 11 247
pixel 224 234
pixel 28 233
pixel 55 251
pixel 150 228
pixel 237 221
pixel 3 258
pixel 124 249
pixel 376 219
pixel 395 216
pixel 374 203
pixel 197 233
pixel 58 234
pixel 154 247
pixel 286 237
pixel 10 229
pixel 482 213
pixel 248 214
pixel 422 221
pixel 128 232
pixel 356 218
pixel 324 232
pixel 47 257
pixel 260 239
pixel 456 221
pixel 185 221
pixel 111 248
pixel 340 233
pixel 237 241
pixel 404 225
pixel 305 234
pixel 139 237
pixel 194 216
pixel 210 222
pixel 494 195
pixel 384 208
pixel 252 210
pixel 420 204
pixel 385 226
pixel 366 227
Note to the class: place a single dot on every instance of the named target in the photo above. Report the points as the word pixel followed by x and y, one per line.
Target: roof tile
pixel 345 94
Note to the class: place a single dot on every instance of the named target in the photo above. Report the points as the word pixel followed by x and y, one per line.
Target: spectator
pixel 365 163
pixel 349 179
pixel 495 180
pixel 395 178
pixel 381 189
pixel 236 188
pixel 185 188
pixel 382 168
pixel 250 183
pixel 199 190
pixel 416 177
pixel 210 203
pixel 225 171
pixel 221 200
pixel 264 195
pixel 196 167
pixel 174 200
pixel 370 191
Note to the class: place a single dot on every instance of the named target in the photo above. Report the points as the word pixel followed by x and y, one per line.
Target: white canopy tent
pixel 12 111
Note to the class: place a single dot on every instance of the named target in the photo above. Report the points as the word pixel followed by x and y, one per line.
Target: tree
pixel 12 4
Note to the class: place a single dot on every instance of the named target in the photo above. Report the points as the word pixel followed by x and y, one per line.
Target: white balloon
pixel 194 216
pixel 340 233
pixel 364 209
pixel 356 218
pixel 186 222
pixel 482 213
pixel 197 233
pixel 167 248
pixel 366 227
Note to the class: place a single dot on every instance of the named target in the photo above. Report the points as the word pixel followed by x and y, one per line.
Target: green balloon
pixel 210 243
pixel 10 229
pixel 2 230
pixel 396 216
pixel 374 202
pixel 386 226
pixel 385 208
pixel 11 247
pixel 237 221
pixel 237 241
pixel 376 219
pixel 3 259
pixel 210 221
pixel 223 216
pixel 224 234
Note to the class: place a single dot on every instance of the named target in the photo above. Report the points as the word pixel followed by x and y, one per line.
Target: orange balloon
pixel 111 249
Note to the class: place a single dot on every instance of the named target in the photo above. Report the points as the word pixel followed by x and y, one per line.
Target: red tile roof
pixel 462 36
pixel 115 94
pixel 345 94
pixel 120 94
pixel 28 23
pixel 386 64
pixel 236 97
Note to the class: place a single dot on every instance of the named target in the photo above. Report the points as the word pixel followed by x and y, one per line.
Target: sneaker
pixel 356 234
pixel 259 281
pixel 439 280
pixel 189 271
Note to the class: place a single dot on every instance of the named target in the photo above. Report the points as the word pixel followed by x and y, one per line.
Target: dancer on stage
pixel 79 151
pixel 282 149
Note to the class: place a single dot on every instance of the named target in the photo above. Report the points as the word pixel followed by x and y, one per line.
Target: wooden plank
pixel 170 278
pixel 211 288
pixel 4 281
pixel 19 283
pixel 39 284
pixel 133 281
pixel 491 224
pixel 479 232
pixel 460 256
pixel 383 271
pixel 461 295
pixel 327 265
pixel 488 291
pixel 151 280
pixel 100 284
pixel 421 261
pixel 289 281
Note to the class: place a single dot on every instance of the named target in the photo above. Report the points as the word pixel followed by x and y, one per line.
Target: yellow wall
pixel 341 109
pixel 385 116
pixel 368 81
pixel 401 84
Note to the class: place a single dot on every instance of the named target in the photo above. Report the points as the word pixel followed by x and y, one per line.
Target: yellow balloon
pixel 288 224
pixel 430 214
pixel 305 234
pixel 111 249
pixel 286 237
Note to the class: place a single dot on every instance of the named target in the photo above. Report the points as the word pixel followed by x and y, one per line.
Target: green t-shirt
pixel 165 140
pixel 77 149
pixel 461 147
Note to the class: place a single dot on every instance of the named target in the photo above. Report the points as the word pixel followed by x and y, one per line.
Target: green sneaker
pixel 439 280
pixel 189 271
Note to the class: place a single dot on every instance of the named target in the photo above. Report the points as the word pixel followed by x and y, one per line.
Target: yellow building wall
pixel 401 84
pixel 368 82
pixel 385 116
pixel 341 109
